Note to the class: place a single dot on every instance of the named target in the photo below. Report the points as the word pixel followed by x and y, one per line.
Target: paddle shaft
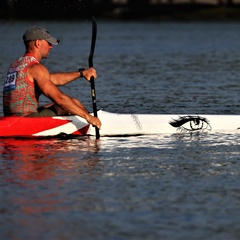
pixel 90 63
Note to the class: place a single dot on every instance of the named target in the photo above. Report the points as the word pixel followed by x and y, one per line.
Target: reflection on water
pixel 140 186
pixel 39 159
pixel 202 154
pixel 38 172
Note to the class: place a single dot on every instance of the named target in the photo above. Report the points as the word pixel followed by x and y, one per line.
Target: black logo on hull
pixel 191 124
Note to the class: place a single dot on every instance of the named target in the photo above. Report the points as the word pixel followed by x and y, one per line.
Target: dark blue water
pixel 145 187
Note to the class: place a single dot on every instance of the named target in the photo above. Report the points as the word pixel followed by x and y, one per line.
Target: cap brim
pixel 53 41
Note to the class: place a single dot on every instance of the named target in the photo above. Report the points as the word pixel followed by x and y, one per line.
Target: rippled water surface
pixel 144 187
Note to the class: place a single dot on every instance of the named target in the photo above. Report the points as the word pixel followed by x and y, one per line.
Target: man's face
pixel 45 48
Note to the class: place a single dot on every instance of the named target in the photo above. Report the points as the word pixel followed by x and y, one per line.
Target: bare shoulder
pixel 38 72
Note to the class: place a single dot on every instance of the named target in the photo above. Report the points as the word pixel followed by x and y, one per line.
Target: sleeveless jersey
pixel 20 95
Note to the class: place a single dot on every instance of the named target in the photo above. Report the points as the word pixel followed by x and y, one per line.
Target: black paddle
pixel 90 63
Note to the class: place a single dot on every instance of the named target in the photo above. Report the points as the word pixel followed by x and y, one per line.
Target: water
pixel 145 187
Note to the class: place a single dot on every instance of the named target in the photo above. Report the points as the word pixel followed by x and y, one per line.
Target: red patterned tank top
pixel 20 95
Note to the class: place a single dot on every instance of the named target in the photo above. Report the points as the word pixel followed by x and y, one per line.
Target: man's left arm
pixel 60 79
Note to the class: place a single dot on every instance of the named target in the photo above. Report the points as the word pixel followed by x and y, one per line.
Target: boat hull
pixel 41 127
pixel 137 124
pixel 118 124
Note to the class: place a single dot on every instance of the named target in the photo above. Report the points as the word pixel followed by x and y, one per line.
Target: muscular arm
pixel 60 79
pixel 41 76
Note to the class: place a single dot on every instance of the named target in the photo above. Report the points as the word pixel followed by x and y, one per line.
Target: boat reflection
pixel 39 171
pixel 39 159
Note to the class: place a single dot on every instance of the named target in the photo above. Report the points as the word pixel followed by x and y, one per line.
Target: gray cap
pixel 40 33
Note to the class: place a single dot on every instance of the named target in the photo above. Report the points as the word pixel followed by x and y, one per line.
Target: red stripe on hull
pixel 24 126
pixel 82 131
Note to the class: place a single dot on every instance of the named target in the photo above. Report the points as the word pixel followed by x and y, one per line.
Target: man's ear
pixel 37 43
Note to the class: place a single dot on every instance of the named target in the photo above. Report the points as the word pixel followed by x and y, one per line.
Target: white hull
pixel 136 124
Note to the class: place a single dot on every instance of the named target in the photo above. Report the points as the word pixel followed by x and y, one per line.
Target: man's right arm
pixel 41 76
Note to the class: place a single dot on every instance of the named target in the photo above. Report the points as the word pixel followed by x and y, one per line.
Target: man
pixel 27 79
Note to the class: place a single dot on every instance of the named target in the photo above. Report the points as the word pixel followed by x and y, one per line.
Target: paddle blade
pixel 94 36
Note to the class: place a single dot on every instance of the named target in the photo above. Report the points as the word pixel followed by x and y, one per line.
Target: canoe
pixel 114 124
